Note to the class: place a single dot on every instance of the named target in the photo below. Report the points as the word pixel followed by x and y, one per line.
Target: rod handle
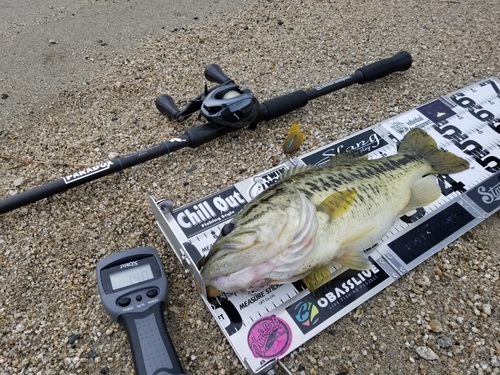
pixel 399 62
pixel 204 133
pixel 282 105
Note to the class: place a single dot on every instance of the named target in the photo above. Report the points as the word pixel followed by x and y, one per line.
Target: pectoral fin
pixel 317 277
pixel 338 203
pixel 423 192
pixel 355 259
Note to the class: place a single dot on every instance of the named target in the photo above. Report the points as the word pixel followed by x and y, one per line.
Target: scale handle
pixel 152 349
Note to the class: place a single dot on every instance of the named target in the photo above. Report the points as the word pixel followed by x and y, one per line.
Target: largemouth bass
pixel 318 215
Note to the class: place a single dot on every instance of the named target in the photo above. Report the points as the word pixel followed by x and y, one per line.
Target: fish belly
pixel 360 228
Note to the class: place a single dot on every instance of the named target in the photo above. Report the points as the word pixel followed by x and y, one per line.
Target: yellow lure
pixel 293 140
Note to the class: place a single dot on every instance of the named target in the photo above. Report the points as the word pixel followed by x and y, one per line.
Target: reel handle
pixel 165 104
pixel 214 73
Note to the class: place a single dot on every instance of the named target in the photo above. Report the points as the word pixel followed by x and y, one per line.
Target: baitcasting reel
pixel 225 104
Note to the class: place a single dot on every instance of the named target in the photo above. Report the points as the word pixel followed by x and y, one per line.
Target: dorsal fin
pixel 345 158
pixel 294 170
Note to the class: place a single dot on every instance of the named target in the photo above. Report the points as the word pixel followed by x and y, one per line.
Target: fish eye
pixel 226 229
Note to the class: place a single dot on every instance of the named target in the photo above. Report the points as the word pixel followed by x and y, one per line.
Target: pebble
pixel 423 281
pixel 18 181
pixel 113 155
pixel 426 353
pixel 435 325
pixel 344 369
pixel 487 309
pixel 19 328
pixel 72 339
pixel 444 342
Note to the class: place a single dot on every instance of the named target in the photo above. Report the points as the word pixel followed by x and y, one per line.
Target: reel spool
pixel 228 105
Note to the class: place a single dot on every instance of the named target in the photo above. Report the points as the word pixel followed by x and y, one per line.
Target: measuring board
pixel 268 324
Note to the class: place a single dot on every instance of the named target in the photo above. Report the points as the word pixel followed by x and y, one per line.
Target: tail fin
pixel 418 142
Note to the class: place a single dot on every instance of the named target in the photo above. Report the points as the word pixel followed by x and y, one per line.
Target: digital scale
pixel 133 289
pixel 270 323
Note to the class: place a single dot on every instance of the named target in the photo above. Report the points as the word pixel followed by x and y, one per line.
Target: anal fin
pixel 318 277
pixel 423 192
pixel 354 259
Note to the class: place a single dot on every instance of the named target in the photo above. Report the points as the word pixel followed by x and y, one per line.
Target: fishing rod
pixel 226 107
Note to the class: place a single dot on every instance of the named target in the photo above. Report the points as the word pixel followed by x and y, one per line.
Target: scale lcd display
pixel 131 276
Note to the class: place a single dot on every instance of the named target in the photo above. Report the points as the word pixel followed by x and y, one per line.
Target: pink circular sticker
pixel 269 337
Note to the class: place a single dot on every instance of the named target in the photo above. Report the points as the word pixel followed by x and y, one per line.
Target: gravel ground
pixel 441 318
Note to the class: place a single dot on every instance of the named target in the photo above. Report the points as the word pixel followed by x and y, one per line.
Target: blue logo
pixel 306 313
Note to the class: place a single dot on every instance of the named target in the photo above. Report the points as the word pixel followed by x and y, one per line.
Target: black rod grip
pixel 150 342
pixel 330 87
pixel 282 105
pixel 399 62
pixel 214 73
pixel 165 104
pixel 202 134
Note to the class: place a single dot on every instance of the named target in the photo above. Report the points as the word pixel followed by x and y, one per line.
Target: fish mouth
pixel 222 248
pixel 242 241
pixel 248 279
